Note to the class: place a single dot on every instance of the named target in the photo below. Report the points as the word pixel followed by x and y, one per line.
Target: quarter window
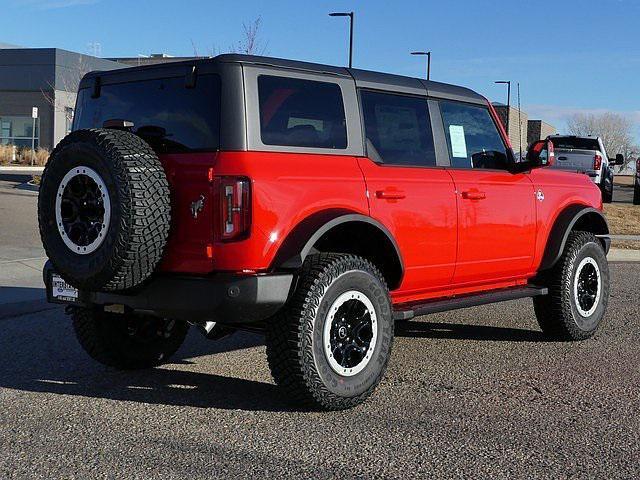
pixel 301 113
pixel 398 129
pixel 472 137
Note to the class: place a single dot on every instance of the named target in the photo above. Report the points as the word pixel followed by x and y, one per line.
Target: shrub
pixel 6 154
pixel 25 156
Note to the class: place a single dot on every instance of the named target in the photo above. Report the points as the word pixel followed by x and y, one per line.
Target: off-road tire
pixel 294 336
pixel 140 208
pixel 557 313
pixel 110 338
pixel 607 195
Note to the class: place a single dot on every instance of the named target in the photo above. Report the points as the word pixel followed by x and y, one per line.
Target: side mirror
pixel 540 154
pixel 619 159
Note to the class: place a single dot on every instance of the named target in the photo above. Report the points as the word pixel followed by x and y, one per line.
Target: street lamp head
pixel 420 53
pixel 503 81
pixel 341 14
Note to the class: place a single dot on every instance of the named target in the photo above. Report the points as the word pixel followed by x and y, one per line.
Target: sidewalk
pixel 20 170
pixel 21 287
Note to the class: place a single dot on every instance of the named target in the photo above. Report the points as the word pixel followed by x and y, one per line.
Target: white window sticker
pixel 458 143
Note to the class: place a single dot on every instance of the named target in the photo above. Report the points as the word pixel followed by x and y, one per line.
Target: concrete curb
pixel 623 255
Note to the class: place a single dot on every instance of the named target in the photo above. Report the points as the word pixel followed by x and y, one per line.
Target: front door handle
pixel 474 195
pixel 390 194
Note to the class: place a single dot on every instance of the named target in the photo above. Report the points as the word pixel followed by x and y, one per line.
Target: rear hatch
pixel 576 154
pixel 180 118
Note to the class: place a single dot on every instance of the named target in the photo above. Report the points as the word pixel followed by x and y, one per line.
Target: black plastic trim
pixel 304 236
pixel 406 312
pixel 225 298
pixel 562 228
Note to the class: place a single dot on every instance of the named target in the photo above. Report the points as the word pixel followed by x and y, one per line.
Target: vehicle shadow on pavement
pixel 35 357
pixel 457 331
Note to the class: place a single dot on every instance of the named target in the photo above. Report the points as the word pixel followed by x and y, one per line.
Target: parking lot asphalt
pixel 471 393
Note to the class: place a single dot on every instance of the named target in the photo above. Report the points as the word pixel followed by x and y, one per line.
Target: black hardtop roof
pixel 364 78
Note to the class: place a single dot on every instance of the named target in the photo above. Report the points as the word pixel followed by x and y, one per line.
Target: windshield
pixel 574 143
pixel 169 116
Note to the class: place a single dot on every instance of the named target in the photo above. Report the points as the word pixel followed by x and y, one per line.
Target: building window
pixel 18 131
pixel 68 119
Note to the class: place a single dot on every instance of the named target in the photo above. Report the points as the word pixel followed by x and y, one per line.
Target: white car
pixel 586 155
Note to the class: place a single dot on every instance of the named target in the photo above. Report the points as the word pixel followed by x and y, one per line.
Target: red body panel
pixel 496 225
pixel 492 238
pixel 421 214
pixel 286 189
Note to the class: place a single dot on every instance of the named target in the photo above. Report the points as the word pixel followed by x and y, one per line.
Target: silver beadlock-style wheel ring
pixel 83 210
pixel 587 287
pixel 350 333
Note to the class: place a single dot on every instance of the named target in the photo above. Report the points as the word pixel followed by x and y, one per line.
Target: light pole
pixel 350 15
pixel 508 83
pixel 428 55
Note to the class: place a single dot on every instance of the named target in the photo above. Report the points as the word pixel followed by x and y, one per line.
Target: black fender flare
pixel 563 226
pixel 299 243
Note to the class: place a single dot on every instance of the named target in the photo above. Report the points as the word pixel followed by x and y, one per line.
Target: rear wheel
pixel 578 290
pixel 329 347
pixel 127 341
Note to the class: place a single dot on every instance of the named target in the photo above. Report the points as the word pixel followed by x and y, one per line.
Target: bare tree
pixel 251 44
pixel 69 81
pixel 614 129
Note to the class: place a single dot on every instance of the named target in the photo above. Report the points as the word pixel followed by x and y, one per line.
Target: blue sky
pixel 569 55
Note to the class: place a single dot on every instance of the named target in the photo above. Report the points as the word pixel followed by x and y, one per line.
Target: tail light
pixel 597 162
pixel 235 208
pixel 552 154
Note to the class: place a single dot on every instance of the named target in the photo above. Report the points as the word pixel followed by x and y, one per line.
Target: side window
pixel 301 113
pixel 472 137
pixel 398 129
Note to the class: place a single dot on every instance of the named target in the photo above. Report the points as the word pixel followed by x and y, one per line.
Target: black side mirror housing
pixel 540 154
pixel 619 159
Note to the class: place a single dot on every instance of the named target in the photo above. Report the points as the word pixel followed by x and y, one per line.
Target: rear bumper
pixel 224 298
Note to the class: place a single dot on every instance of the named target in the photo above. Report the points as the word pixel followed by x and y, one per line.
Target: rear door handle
pixel 390 194
pixel 474 195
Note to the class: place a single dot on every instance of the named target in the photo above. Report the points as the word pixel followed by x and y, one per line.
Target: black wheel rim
pixel 82 210
pixel 351 333
pixel 588 285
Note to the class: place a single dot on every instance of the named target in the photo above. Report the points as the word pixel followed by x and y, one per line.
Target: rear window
pixel 301 113
pixel 572 143
pixel 169 116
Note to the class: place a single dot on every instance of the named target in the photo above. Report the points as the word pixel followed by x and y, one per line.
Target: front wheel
pixel 578 290
pixel 329 347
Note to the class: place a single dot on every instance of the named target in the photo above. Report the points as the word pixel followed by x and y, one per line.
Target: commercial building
pixel 516 124
pixel 46 78
pixel 539 130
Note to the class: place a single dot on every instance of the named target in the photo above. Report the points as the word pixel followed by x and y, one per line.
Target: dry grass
pixel 623 180
pixel 6 154
pixel 22 156
pixel 624 218
pixel 625 244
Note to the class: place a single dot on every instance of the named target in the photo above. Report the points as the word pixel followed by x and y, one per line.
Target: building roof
pixel 363 78
pixel 36 69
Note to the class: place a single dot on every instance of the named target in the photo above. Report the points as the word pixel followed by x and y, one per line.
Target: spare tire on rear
pixel 104 209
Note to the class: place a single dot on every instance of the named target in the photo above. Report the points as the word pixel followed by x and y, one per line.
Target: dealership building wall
pixel 46 78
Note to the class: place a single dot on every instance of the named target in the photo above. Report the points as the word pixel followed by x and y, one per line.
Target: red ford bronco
pixel 317 204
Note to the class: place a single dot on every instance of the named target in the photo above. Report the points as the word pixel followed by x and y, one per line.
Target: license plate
pixel 60 291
